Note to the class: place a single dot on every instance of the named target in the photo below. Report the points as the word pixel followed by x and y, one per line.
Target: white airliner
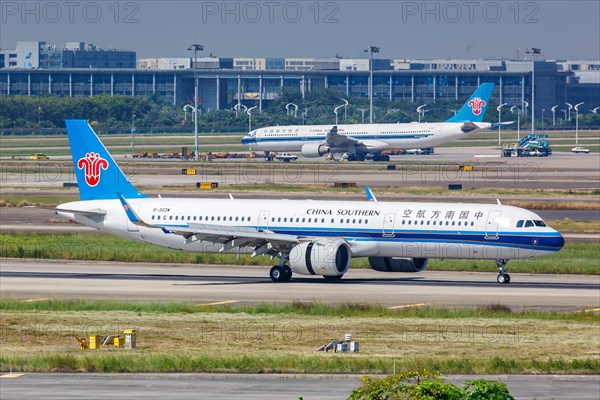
pixel 308 237
pixel 359 139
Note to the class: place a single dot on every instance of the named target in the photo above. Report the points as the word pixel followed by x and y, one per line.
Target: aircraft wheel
pixel 277 274
pixel 287 273
pixel 503 278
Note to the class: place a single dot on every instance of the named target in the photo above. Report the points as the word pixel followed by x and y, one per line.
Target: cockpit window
pixel 528 224
pixel 539 223
pixel 520 224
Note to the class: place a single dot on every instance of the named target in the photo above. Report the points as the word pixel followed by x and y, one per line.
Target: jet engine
pixel 313 150
pixel 396 264
pixel 330 258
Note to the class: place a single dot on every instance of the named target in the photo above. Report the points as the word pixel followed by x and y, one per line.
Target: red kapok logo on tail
pixel 476 105
pixel 91 165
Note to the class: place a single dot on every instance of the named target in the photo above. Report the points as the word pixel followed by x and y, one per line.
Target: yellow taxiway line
pixel 217 303
pixel 407 306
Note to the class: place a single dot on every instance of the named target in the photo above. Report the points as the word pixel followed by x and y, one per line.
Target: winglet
pixel 132 215
pixel 370 195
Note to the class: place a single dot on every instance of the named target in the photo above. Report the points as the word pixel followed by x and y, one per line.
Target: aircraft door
pixel 388 224
pixel 491 226
pixel 263 219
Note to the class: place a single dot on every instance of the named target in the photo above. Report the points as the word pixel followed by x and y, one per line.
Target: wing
pixel 263 241
pixel 334 139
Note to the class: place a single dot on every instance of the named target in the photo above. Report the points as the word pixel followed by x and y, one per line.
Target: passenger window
pixel 279 219
pixel 520 224
pixel 285 219
pixel 212 218
pixel 322 220
pixel 153 217
pixel 409 222
pixel 303 220
pixel 472 223
pixel 236 218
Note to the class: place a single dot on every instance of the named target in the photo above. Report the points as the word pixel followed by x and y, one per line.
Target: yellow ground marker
pixel 40 299
pixel 11 375
pixel 592 310
pixel 407 306
pixel 218 303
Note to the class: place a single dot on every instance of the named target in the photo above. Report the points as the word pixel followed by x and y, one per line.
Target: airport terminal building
pixel 224 82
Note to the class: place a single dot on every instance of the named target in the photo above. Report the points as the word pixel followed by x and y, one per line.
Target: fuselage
pixel 375 137
pixel 371 229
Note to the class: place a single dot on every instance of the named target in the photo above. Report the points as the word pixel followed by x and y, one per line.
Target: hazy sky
pixel 308 28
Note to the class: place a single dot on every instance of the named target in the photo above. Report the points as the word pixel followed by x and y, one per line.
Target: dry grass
pixel 258 337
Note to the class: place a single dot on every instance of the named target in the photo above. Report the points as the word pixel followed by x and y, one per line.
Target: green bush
pixel 426 385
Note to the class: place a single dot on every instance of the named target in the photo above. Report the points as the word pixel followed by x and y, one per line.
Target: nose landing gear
pixel 503 277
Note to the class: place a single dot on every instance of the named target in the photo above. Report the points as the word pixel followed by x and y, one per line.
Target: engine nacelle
pixel 321 257
pixel 313 150
pixel 396 264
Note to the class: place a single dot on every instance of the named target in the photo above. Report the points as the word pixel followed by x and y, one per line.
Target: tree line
pixel 34 113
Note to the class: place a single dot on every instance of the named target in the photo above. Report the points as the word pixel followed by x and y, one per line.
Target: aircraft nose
pixel 557 241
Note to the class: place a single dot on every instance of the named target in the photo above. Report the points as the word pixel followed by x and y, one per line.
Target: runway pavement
pixel 205 284
pixel 225 387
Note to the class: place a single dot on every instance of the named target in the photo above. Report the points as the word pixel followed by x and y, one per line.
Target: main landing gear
pixel 503 277
pixel 280 273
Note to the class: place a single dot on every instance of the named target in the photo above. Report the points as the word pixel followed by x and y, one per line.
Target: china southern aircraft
pixel 360 139
pixel 308 237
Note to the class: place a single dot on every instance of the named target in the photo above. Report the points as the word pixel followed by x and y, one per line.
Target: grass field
pixel 39 336
pixel 574 258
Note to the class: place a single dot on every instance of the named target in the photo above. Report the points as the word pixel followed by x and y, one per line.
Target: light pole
pixel 577 122
pixel 570 106
pixel 39 116
pixel 518 110
pixel 525 107
pixel 362 112
pixel 595 110
pixel 196 48
pixel 185 108
pixel 553 109
pixel 288 106
pixel 237 108
pixel 249 111
pixel 345 107
pixel 533 51
pixel 543 111
pixel 371 49
pixel 421 111
pixel 335 111
pixel 499 108
pixel 132 135
pixel 304 115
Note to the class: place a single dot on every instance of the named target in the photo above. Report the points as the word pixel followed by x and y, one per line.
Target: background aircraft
pixel 360 139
